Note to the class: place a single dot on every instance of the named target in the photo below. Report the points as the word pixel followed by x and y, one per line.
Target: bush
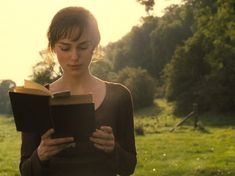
pixel 141 85
pixel 101 68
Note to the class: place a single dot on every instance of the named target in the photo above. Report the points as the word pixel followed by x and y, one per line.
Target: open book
pixel 36 109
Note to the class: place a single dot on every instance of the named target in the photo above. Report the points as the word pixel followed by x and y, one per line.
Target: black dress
pixel 85 160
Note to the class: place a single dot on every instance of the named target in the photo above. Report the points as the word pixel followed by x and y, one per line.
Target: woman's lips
pixel 75 66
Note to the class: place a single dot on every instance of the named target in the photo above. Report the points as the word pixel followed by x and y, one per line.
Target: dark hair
pixel 69 19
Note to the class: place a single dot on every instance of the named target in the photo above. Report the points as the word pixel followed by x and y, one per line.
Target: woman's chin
pixel 75 73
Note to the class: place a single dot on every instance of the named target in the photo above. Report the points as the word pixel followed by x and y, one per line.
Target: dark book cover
pixel 37 113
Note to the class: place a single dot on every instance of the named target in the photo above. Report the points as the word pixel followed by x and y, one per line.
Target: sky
pixel 24 24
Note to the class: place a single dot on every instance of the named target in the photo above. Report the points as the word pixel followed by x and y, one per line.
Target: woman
pixel 73 36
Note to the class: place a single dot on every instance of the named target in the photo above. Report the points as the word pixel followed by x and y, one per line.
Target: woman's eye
pixel 64 49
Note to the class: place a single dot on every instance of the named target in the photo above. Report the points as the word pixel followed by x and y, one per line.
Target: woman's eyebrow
pixel 64 43
pixel 80 43
pixel 84 42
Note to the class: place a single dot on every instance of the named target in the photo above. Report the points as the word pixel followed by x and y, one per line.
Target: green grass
pixel 184 152
pixel 187 153
pixel 9 148
pixel 207 151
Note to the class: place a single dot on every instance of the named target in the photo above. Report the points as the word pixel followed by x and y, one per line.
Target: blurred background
pixel 176 57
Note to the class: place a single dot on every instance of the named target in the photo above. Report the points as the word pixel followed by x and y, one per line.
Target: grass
pixel 209 151
pixel 187 153
pixel 184 152
pixel 9 148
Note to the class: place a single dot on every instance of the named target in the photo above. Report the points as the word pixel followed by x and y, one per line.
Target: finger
pixel 56 149
pixel 106 149
pixel 101 147
pixel 101 134
pixel 58 141
pixel 108 129
pixel 48 133
pixel 53 151
pixel 102 141
pixel 47 152
pixel 60 147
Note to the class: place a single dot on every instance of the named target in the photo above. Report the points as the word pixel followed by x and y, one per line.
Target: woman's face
pixel 74 56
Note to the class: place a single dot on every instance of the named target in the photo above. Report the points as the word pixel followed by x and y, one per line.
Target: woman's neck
pixel 77 85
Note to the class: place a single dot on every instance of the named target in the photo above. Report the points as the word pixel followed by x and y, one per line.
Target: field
pixel 187 153
pixel 207 151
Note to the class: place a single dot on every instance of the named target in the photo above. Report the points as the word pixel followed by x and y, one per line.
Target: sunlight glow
pixel 24 25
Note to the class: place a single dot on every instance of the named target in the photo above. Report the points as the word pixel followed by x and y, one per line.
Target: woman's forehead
pixel 76 35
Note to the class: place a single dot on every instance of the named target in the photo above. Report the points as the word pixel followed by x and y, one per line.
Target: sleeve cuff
pixel 36 163
pixel 113 157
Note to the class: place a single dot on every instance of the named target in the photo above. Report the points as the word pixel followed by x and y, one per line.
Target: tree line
pixel 186 56
pixel 189 52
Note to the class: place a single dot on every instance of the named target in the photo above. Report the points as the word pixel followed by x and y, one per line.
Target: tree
pixel 5 86
pixel 149 4
pixel 184 74
pixel 202 70
pixel 152 44
pixel 134 49
pixel 173 30
pixel 141 85
pixel 101 68
pixel 46 71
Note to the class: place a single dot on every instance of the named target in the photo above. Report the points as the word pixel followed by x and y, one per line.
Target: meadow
pixel 207 151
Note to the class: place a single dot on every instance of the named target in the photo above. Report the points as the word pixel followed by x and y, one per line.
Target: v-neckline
pixel 103 101
pixel 105 97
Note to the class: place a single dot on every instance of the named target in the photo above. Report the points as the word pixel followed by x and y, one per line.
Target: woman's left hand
pixel 103 139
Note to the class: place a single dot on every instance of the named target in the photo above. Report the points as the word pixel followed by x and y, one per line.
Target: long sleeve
pixel 30 165
pixel 116 111
pixel 123 159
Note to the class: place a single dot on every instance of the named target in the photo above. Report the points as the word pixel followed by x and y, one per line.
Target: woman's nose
pixel 75 54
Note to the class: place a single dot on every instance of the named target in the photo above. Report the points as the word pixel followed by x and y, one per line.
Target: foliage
pixel 173 29
pixel 132 50
pixel 149 4
pixel 5 105
pixel 202 70
pixel 101 68
pixel 189 52
pixel 152 44
pixel 44 71
pixel 141 85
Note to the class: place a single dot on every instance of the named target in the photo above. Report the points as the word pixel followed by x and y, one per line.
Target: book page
pixel 21 89
pixel 35 86
pixel 71 99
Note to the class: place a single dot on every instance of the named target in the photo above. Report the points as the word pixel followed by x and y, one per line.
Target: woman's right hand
pixel 49 147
